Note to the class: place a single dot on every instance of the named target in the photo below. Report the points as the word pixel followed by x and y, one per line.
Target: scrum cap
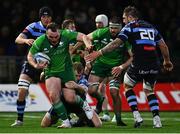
pixel 102 18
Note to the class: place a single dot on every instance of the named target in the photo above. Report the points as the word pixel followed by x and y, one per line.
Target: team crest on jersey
pixel 104 41
pixel 46 50
pixel 60 44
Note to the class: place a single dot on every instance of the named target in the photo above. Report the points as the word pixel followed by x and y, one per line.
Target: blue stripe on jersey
pixel 138 29
pixel 148 42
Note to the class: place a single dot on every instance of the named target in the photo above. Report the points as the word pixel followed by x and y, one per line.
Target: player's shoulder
pixel 35 24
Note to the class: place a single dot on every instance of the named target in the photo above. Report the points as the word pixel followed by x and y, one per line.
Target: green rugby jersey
pixel 59 55
pixel 114 58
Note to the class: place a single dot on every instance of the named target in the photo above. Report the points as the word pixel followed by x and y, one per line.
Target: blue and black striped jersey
pixel 34 30
pixel 143 37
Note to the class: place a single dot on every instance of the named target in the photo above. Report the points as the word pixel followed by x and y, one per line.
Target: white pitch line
pixel 37 117
pixel 28 116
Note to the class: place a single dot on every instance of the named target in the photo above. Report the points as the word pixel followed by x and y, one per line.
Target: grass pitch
pixel 170 121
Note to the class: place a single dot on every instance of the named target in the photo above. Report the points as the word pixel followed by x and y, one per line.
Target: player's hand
pixel 168 66
pixel 41 65
pixel 29 41
pixel 89 48
pixel 92 56
pixel 71 84
pixel 116 71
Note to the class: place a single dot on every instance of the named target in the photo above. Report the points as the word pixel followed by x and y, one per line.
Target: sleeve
pixel 124 33
pixel 28 30
pixel 84 83
pixel 72 36
pixel 36 46
pixel 158 36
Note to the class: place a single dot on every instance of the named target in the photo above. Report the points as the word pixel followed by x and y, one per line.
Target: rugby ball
pixel 41 57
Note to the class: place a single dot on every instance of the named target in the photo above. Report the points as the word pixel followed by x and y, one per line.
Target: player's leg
pixel 53 85
pixel 102 89
pixel 114 90
pixel 83 120
pixel 130 79
pixel 23 87
pixel 148 86
pixel 49 118
pixel 93 91
pixel 71 98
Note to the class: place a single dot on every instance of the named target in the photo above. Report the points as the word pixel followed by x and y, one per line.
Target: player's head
pixel 45 14
pixel 130 13
pixel 101 21
pixel 115 26
pixel 52 33
pixel 78 69
pixel 69 24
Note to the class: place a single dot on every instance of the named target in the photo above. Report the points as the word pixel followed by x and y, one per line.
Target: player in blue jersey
pixel 145 65
pixel 29 73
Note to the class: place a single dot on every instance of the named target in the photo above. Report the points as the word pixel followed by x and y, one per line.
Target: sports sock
pixel 132 101
pixel 153 103
pixel 60 110
pixel 20 109
pixel 79 101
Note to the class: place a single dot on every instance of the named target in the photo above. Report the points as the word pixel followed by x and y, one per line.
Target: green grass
pixel 170 121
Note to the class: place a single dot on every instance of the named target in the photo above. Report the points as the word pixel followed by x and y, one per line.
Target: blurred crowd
pixel 15 15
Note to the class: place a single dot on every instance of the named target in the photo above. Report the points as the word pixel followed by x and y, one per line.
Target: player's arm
pixel 165 53
pixel 116 71
pixel 73 49
pixel 32 61
pixel 74 85
pixel 108 48
pixel 22 39
pixel 84 38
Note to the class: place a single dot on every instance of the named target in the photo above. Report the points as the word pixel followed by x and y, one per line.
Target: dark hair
pixel 116 20
pixel 78 67
pixel 53 26
pixel 66 23
pixel 45 11
pixel 131 10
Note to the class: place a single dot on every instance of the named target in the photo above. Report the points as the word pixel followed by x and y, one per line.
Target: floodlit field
pixel 170 121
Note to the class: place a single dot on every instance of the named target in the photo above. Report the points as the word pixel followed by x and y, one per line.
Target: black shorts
pixel 29 70
pixel 148 74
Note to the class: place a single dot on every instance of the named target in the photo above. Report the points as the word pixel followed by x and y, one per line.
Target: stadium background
pixel 164 14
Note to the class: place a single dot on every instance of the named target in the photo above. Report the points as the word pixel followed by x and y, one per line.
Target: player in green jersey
pixel 55 44
pixel 106 65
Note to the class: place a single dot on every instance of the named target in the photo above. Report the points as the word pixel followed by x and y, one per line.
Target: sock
pixel 60 110
pixel 153 103
pixel 99 97
pixel 118 117
pixel 20 109
pixel 132 101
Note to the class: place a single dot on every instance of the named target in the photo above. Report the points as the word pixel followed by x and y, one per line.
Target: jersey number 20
pixel 147 34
